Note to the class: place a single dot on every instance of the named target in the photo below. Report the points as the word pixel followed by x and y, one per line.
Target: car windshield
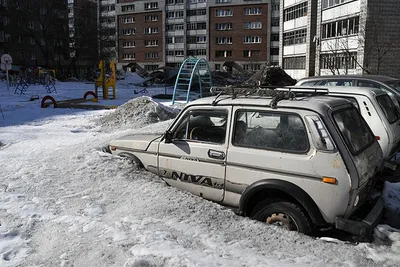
pixel 354 129
pixel 395 84
pixel 388 108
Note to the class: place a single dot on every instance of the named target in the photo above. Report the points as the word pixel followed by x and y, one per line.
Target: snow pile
pixel 139 111
pixel 391 197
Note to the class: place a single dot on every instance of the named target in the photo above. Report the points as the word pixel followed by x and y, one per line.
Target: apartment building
pixel 340 37
pixel 83 42
pixel 107 29
pixel 230 34
pixel 140 34
pixel 22 33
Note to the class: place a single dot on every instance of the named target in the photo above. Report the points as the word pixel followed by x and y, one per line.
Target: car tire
pixel 285 214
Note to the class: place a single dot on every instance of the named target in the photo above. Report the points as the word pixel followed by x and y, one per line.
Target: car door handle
pixel 216 154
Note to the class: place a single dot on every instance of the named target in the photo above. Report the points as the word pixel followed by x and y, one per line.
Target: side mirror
pixel 168 137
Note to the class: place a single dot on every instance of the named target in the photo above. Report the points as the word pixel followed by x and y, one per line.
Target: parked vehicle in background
pixel 378 110
pixel 300 163
pixel 389 84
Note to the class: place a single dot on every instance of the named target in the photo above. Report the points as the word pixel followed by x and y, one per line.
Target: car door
pixel 194 159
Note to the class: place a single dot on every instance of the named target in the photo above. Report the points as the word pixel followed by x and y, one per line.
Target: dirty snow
pixel 63 202
pixel 140 111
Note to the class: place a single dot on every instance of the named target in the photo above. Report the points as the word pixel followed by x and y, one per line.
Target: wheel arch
pixel 275 188
pixel 132 157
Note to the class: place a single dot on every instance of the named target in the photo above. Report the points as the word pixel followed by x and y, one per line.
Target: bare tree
pixel 45 22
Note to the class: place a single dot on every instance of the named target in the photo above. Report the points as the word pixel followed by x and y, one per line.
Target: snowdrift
pixel 139 112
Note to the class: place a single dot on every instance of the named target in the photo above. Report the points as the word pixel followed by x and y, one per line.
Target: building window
pixel 128 44
pixel 252 67
pixel 222 1
pixel 5 21
pixel 175 40
pixel 179 53
pixel 253 25
pixel 21 55
pixel 337 61
pixel 223 40
pixel 42 41
pixel 295 37
pixel 196 52
pixel 130 31
pixel 7 37
pixel 151 55
pixel 151 30
pixel 223 26
pixel 223 53
pixel 217 66
pixel 342 27
pixel 274 51
pixel 223 12
pixel 19 39
pixel 329 3
pixel 31 24
pixel 151 42
pixel 43 11
pixel 251 53
pixel 129 56
pixel 275 7
pixel 32 55
pixel 252 39
pixel 151 67
pixel 196 39
pixel 151 5
pixel 173 2
pixel 294 63
pixel 174 14
pixel 128 8
pixel 274 37
pixel 32 40
pixel 126 20
pixel 275 22
pixel 196 12
pixel 253 11
pixel 151 18
pixel 295 12
pixel 108 8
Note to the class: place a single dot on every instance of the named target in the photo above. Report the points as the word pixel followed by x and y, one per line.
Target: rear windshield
pixel 354 129
pixel 394 84
pixel 388 108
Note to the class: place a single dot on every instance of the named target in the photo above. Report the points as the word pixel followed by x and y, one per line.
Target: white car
pixel 376 107
pixel 303 164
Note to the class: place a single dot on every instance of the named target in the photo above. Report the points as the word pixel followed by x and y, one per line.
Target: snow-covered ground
pixel 63 202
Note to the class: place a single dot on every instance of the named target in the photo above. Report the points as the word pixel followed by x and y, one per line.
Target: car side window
pixel 270 130
pixel 337 82
pixel 369 84
pixel 202 126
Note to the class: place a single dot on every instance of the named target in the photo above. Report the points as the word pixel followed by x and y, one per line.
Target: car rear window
pixel 388 108
pixel 355 131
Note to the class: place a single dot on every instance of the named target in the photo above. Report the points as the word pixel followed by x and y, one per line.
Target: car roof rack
pixel 277 93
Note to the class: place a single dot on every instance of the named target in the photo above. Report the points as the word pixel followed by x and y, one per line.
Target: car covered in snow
pixel 304 163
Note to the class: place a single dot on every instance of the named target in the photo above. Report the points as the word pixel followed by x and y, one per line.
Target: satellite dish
pixel 6 59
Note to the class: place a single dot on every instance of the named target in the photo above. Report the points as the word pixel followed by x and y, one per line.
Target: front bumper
pixel 364 227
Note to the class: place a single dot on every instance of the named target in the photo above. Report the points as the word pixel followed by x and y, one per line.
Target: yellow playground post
pixel 106 83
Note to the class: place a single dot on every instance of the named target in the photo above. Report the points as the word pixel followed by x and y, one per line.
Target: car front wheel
pixel 284 214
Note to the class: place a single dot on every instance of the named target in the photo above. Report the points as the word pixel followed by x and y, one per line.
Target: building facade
pixel 35 33
pixel 230 34
pixel 339 37
pixel 107 30
pixel 83 36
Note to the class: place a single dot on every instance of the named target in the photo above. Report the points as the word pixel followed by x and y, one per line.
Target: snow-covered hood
pixel 136 142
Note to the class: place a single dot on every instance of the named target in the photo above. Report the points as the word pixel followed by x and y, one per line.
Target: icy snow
pixel 63 202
